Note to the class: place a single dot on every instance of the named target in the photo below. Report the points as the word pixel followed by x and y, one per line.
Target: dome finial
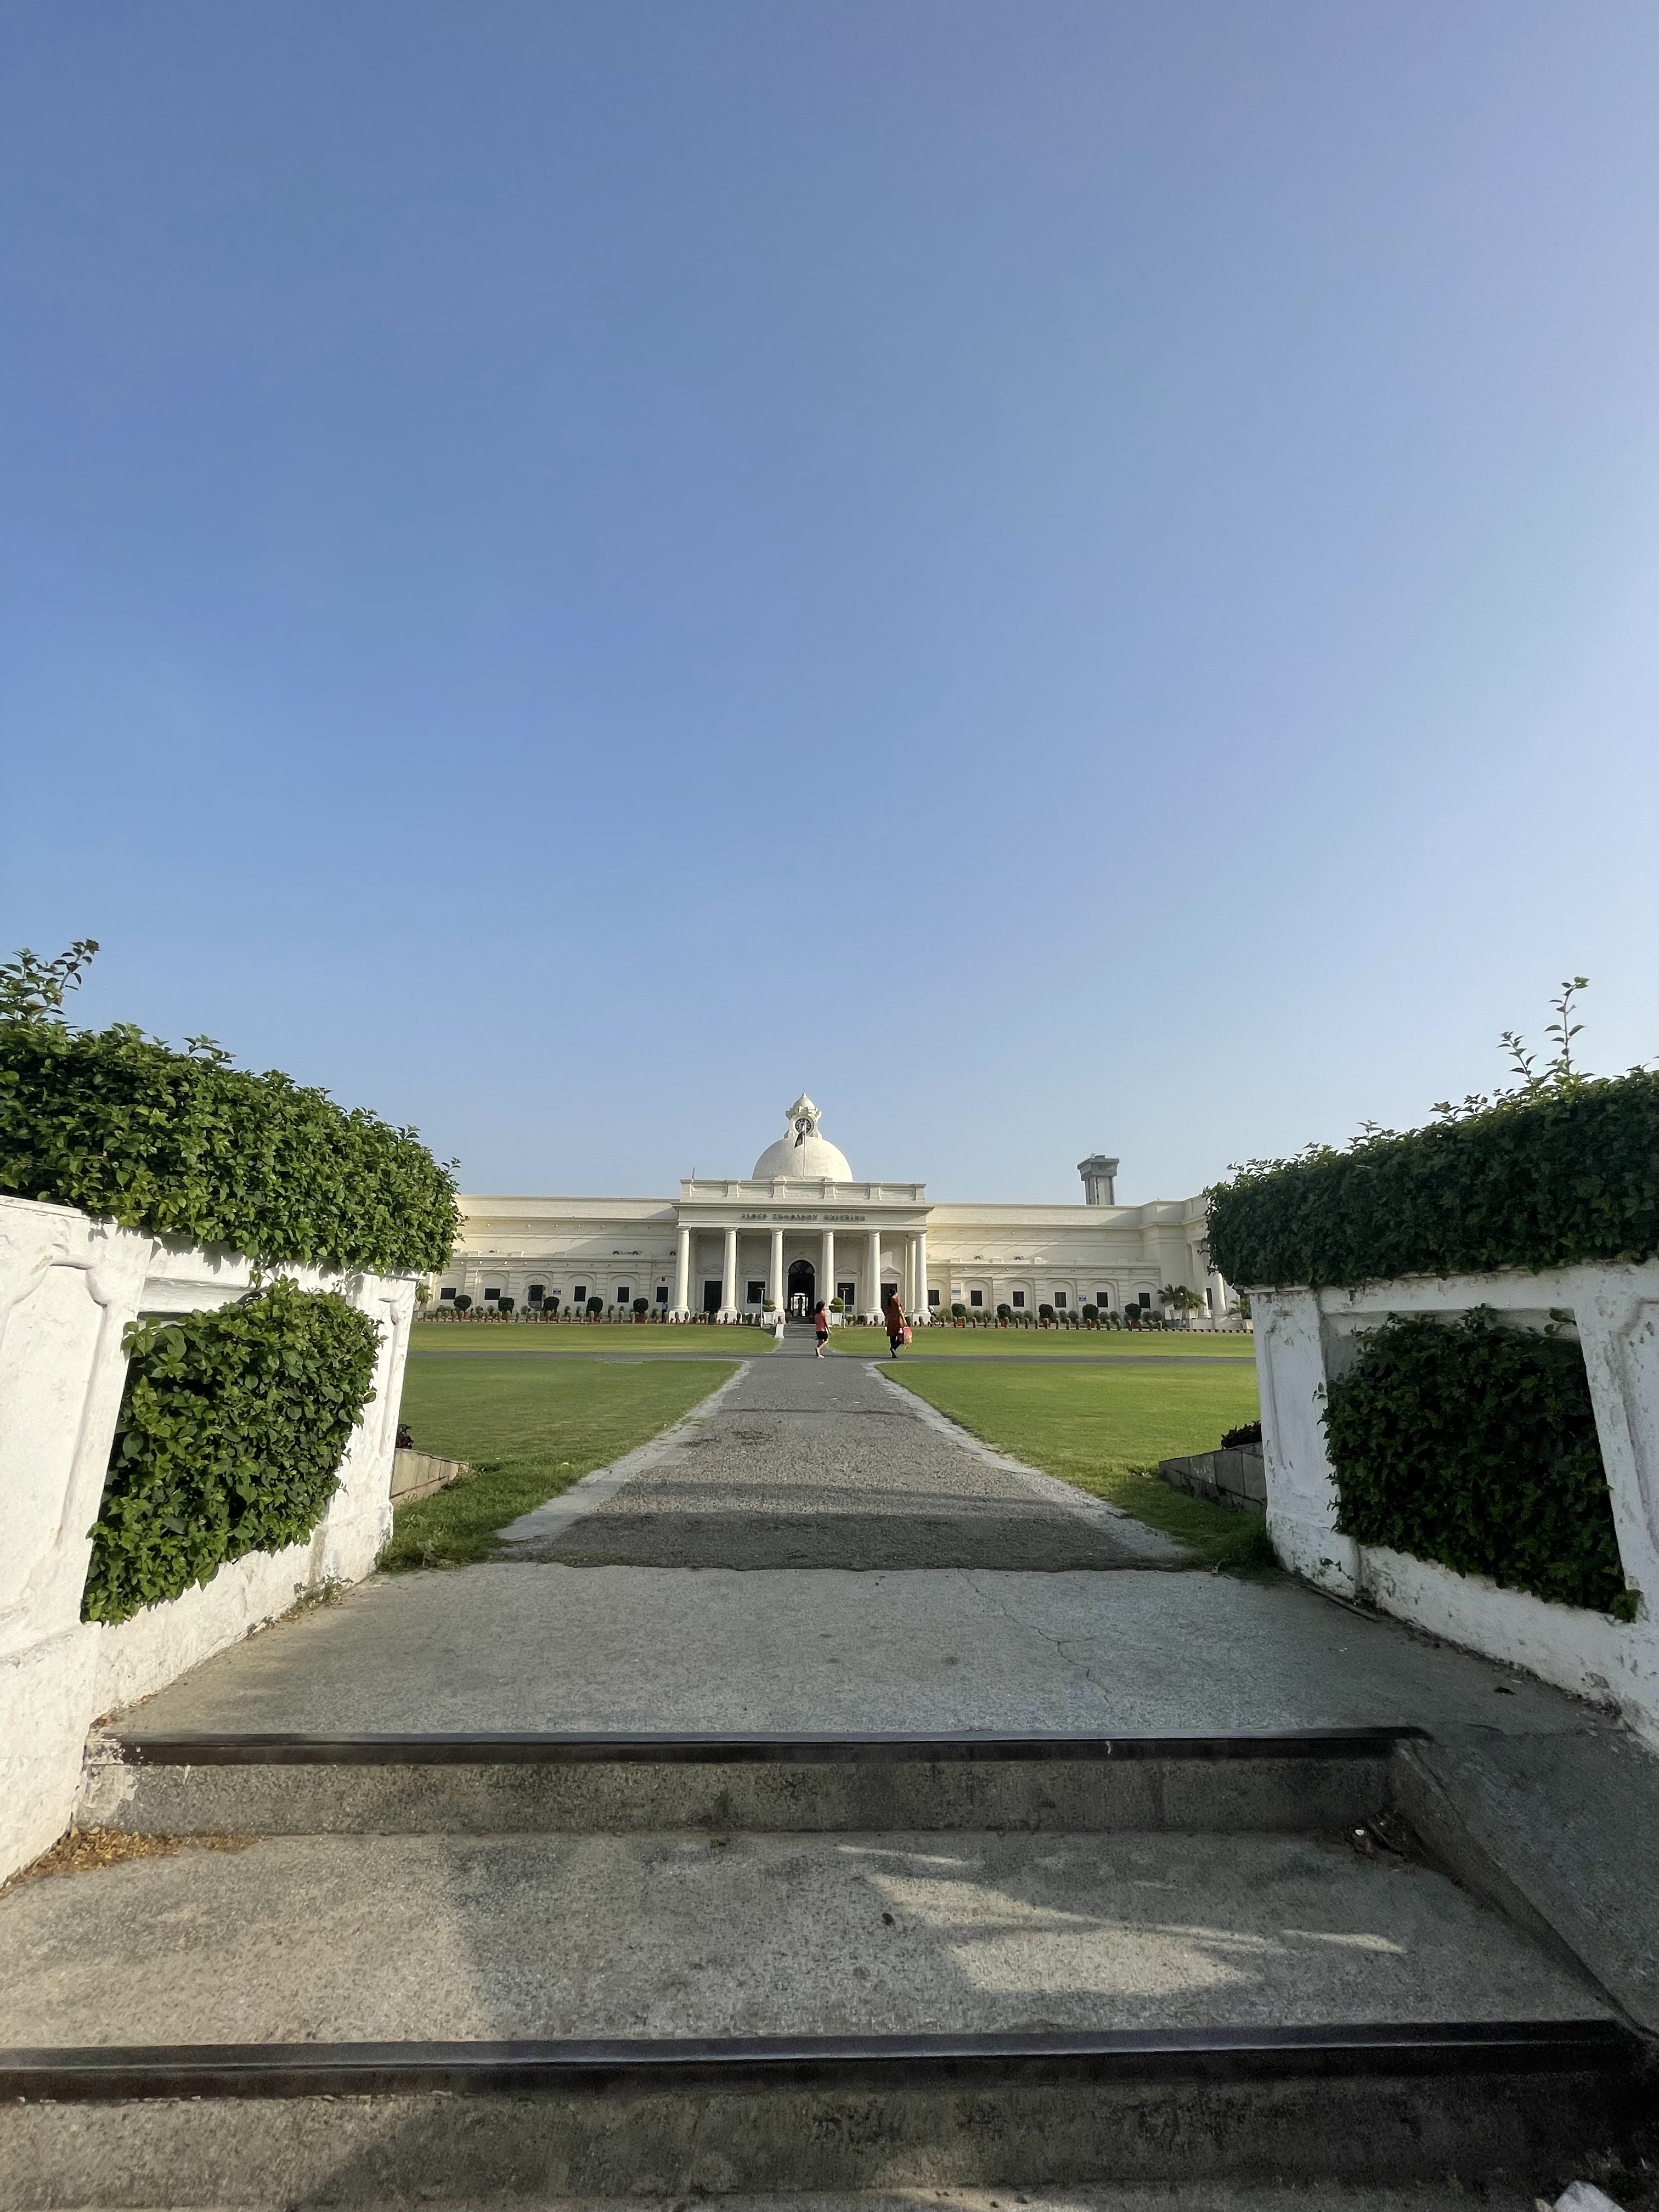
pixel 802 1152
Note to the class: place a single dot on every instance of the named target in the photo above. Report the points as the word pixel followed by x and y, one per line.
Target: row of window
pixel 1058 1299
pixel 538 1294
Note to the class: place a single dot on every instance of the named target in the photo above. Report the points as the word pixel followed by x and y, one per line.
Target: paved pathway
pixel 809 1462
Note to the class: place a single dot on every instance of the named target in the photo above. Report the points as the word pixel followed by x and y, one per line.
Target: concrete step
pixel 1510 2112
pixel 199 1784
pixel 615 2014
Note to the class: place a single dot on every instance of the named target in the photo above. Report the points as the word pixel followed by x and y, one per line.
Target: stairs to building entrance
pixel 370 1970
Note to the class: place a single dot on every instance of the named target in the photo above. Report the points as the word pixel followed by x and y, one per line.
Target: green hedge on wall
pixel 1540 1180
pixel 182 1145
pixel 232 1428
pixel 1475 1445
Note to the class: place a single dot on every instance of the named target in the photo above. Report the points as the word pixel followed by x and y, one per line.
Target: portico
pixel 749 1237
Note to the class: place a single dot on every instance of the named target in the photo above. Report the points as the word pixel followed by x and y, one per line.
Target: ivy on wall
pixel 1561 1172
pixel 232 1428
pixel 1475 1445
pixel 181 1144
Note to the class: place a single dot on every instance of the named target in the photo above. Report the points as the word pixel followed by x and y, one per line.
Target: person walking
pixel 821 1327
pixel 893 1315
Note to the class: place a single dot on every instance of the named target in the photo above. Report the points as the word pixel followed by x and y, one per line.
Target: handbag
pixel 905 1336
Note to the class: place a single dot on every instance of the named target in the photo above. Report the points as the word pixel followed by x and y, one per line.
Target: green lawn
pixel 1056 1343
pixel 701 1342
pixel 1098 1427
pixel 530 1434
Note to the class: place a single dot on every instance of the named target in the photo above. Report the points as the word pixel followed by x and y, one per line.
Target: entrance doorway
pixel 711 1297
pixel 803 1288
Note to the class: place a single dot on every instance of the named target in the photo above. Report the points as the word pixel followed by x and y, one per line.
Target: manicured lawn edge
pixel 1217 1538
pixel 459 1526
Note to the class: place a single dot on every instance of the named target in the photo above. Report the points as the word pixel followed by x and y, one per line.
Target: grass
pixel 1056 1343
pixel 586 1338
pixel 529 1436
pixel 1100 1430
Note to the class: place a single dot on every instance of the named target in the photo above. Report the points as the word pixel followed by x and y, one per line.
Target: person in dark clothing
pixel 893 1315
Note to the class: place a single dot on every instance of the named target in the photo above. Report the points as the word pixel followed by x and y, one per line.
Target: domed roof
pixel 801 1152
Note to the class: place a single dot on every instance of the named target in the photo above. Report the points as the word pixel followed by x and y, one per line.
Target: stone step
pixel 1306 1779
pixel 1509 2111
pixel 605 2013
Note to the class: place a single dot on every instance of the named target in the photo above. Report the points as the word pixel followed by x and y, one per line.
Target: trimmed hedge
pixel 1475 1445
pixel 1551 1176
pixel 183 1144
pixel 232 1428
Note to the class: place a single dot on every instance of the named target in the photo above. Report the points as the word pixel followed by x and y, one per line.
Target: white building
pixel 802 1226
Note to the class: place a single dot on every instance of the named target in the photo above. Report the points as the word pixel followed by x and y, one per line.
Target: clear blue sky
pixel 1066 576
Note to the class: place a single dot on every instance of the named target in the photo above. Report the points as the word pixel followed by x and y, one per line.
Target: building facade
pixel 803 1227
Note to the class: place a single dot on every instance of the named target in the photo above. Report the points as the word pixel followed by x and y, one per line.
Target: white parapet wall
pixel 1305 1339
pixel 68 1286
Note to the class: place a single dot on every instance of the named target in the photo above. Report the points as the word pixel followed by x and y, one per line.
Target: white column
pixel 682 1274
pixel 776 1291
pixel 922 1307
pixel 827 1280
pixel 729 1276
pixel 872 1287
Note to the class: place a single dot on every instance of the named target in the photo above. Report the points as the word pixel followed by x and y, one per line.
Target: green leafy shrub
pixel 181 1143
pixel 232 1428
pixel 1540 1178
pixel 1475 1445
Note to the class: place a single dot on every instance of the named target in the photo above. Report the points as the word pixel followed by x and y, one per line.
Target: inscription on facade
pixel 832 1218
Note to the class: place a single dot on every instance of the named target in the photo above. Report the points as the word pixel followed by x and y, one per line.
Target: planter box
pixel 69 1285
pixel 1304 1338
pixel 1225 1477
pixel 418 1474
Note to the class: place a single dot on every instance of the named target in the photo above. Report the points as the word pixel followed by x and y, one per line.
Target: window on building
pixel 933 1298
pixel 1060 1301
pixel 1016 1297
pixel 662 1294
pixel 753 1293
pixel 975 1297
pixel 1144 1300
pixel 447 1292
pixel 580 1293
pixel 622 1294
pixel 492 1294
pixel 536 1293
pixel 848 1293
pixel 1102 1300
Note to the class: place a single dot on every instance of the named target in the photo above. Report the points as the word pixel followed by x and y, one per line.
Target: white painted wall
pixel 1305 1338
pixel 68 1286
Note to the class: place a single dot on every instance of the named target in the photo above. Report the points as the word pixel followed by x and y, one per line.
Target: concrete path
pixel 638 1650
pixel 814 1463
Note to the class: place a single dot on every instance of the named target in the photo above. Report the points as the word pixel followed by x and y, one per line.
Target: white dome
pixel 801 1153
